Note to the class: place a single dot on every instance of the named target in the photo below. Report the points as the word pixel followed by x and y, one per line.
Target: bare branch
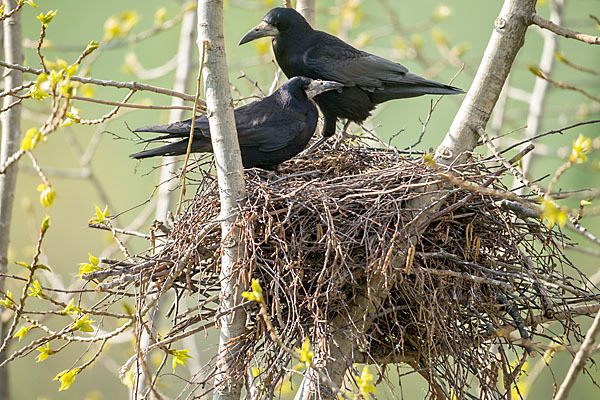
pixel 580 359
pixel 130 105
pixel 120 85
pixel 566 86
pixel 559 30
pixel 540 90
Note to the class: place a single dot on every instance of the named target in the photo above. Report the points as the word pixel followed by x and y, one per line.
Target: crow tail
pixel 171 149
pixel 412 86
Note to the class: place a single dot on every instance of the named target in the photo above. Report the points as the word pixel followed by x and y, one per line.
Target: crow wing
pixel 333 59
pixel 263 123
pixel 268 125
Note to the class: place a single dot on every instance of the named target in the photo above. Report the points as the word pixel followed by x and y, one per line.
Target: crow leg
pixel 345 128
pixel 342 138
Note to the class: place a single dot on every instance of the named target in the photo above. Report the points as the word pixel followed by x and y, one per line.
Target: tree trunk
pixel 307 9
pixel 507 39
pixel 219 105
pixel 11 132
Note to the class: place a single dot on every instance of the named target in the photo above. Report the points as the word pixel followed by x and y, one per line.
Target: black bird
pixel 270 130
pixel 368 79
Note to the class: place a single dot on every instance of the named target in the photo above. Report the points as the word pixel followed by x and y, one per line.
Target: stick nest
pixel 339 228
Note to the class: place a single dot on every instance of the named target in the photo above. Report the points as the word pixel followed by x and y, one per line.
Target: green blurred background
pixel 367 24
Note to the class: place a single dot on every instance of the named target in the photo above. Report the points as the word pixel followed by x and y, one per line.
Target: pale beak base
pixel 263 29
pixel 316 87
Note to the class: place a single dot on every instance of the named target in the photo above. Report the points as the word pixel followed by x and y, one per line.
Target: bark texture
pixel 11 132
pixel 219 104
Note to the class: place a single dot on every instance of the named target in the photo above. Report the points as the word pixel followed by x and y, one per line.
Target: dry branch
pixel 100 82
pixel 559 30
pixel 580 359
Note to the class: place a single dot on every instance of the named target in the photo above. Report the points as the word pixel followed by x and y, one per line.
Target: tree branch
pixel 100 82
pixel 559 30
pixel 540 90
pixel 580 359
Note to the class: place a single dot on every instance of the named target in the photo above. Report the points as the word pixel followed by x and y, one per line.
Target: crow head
pixel 278 21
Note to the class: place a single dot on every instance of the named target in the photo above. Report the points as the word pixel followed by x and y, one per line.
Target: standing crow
pixel 270 130
pixel 368 79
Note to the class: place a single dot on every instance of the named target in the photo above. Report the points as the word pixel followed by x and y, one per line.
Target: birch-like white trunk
pixel 232 190
pixel 507 39
pixel 11 133
pixel 307 9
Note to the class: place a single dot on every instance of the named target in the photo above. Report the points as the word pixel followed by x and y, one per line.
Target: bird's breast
pixel 291 62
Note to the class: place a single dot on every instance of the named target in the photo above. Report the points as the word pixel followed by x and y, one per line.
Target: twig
pixel 565 86
pixel 120 85
pixel 580 359
pixel 38 48
pixel 515 172
pixel 253 83
pixel 322 375
pixel 130 105
pixel 560 57
pixel 50 126
pixel 19 308
pixel 205 47
pixel 172 339
pixel 559 30
pixel 17 89
pixel 109 115
pixel 550 132
pixel 118 230
pixel 12 12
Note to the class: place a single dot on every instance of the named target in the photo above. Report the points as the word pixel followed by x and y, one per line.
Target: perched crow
pixel 368 79
pixel 270 130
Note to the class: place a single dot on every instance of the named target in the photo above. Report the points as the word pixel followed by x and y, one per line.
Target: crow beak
pixel 316 87
pixel 261 30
